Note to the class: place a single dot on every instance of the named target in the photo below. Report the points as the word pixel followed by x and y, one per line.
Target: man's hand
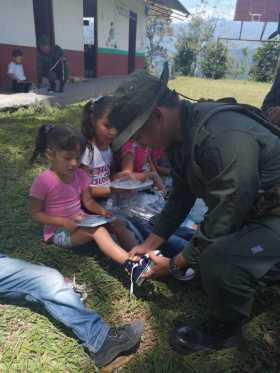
pixel 138 251
pixel 151 243
pixel 274 114
pixel 160 267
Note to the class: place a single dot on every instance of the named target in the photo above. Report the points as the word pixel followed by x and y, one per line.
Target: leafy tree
pixel 265 62
pixel 193 40
pixel 215 62
pixel 184 58
pixel 158 28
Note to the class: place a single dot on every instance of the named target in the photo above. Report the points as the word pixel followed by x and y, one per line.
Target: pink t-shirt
pixel 140 154
pixel 157 154
pixel 60 199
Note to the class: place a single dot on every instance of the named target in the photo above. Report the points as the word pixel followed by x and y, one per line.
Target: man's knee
pixel 48 279
pixel 52 76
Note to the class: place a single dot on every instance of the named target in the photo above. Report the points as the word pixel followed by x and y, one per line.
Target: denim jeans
pixel 173 246
pixel 20 280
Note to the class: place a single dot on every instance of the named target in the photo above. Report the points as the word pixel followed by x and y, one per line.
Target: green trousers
pixel 232 269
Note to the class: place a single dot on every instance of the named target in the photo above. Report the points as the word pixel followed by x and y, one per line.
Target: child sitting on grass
pixel 97 160
pixel 56 194
pixel 136 163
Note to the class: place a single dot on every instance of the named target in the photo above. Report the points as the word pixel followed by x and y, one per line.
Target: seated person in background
pixel 136 163
pixel 271 104
pixel 16 73
pixel 21 280
pixel 51 65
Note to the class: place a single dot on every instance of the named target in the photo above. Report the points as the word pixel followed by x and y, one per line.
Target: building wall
pixel 68 30
pixel 113 34
pixel 17 34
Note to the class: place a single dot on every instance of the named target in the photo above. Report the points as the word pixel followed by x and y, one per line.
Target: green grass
pixel 248 92
pixel 31 342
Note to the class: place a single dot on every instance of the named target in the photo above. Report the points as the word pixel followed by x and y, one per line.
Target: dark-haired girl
pixel 56 194
pixel 98 158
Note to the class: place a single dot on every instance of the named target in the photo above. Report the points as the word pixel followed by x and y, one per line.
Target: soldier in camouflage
pixel 232 162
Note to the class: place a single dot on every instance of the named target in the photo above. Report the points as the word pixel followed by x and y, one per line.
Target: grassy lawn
pixel 31 342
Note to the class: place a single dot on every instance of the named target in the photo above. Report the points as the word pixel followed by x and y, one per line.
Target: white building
pixel 99 37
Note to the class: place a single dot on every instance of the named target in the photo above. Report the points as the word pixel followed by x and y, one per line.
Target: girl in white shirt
pixel 98 156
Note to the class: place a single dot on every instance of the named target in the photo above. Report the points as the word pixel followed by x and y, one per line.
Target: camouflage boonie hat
pixel 133 103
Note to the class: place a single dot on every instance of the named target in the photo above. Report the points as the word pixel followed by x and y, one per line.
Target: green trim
pixel 117 51
pixel 111 51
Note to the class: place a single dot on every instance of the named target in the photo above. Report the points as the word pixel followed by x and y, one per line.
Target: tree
pixel 193 40
pixel 184 58
pixel 265 62
pixel 158 28
pixel 215 62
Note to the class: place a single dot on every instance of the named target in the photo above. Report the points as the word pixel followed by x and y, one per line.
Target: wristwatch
pixel 175 271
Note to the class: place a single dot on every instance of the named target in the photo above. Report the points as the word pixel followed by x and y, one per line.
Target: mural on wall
pixel 111 39
pixel 114 18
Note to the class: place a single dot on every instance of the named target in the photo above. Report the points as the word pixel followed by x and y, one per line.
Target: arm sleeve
pixel 175 211
pixel 39 188
pixel 271 98
pixel 84 180
pixel 128 147
pixel 87 158
pixel 230 167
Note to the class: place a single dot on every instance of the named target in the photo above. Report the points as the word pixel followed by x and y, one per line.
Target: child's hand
pixel 106 213
pixel 70 225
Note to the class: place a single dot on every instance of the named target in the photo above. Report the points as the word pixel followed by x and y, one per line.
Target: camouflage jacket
pixel 226 162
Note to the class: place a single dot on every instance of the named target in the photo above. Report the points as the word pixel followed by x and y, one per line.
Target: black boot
pixel 209 335
pixel 119 341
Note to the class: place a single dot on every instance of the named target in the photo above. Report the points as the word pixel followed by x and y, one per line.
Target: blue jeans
pixel 20 280
pixel 173 246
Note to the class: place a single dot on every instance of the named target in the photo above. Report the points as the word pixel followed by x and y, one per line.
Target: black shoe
pixel 136 269
pixel 206 336
pixel 119 341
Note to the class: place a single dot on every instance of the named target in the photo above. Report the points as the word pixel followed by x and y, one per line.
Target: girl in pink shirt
pixel 56 194
pixel 136 163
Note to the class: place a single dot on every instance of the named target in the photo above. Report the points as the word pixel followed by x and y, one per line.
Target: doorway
pixel 132 41
pixel 43 19
pixel 90 37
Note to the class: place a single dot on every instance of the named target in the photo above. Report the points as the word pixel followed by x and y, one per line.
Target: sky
pixel 221 8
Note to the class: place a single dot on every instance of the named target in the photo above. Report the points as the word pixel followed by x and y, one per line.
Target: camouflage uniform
pixel 227 162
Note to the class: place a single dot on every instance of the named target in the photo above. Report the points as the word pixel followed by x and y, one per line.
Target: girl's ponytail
pixel 41 141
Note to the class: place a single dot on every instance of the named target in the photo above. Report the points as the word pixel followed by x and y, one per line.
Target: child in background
pixel 16 73
pixel 136 163
pixel 56 194
pixel 97 160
